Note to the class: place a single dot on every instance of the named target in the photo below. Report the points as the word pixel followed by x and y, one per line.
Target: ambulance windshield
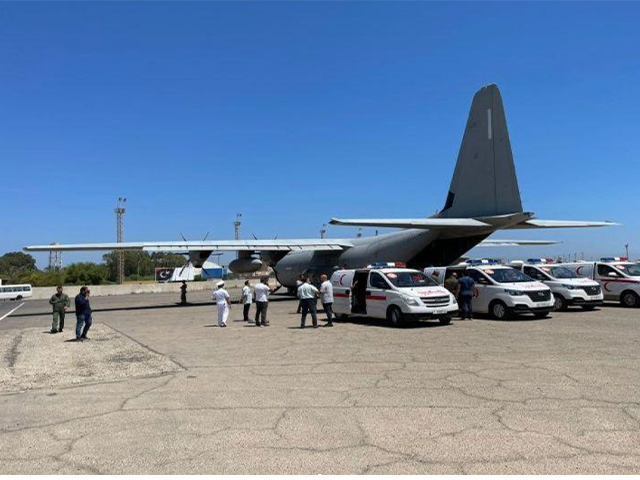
pixel 410 279
pixel 560 272
pixel 633 270
pixel 508 275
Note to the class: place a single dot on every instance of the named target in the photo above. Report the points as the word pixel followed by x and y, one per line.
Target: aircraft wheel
pixel 499 310
pixel 559 303
pixel 394 316
pixel 630 299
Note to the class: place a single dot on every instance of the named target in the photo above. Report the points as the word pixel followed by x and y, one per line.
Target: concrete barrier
pixel 43 293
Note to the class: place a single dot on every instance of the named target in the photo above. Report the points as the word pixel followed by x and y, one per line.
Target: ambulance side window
pixel 478 277
pixel 606 270
pixel 377 281
pixel 534 273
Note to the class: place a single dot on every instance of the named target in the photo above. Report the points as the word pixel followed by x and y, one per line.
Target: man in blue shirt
pixel 83 314
pixel 465 296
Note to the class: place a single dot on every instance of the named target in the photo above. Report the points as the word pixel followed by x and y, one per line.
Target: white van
pixel 500 290
pixel 618 277
pixel 390 291
pixel 15 292
pixel 567 286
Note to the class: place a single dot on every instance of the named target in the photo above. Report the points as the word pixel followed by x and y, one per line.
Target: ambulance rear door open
pixel 359 292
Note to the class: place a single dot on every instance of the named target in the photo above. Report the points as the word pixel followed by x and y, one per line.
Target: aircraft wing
pixel 536 223
pixel 206 246
pixel 515 243
pixel 421 223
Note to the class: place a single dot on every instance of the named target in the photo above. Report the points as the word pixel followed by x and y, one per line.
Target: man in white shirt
pixel 308 294
pixel 223 302
pixel 326 295
pixel 246 301
pixel 299 282
pixel 261 292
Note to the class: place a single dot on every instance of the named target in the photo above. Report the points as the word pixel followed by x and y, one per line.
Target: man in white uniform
pixel 261 292
pixel 223 301
pixel 308 294
pixel 246 301
pixel 326 294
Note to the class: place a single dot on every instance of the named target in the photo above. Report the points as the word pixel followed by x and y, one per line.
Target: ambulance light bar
pixel 540 260
pixel 614 259
pixel 387 265
pixel 484 261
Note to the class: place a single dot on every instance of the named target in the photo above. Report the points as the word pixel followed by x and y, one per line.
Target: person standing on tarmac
pixel 300 281
pixel 465 296
pixel 83 314
pixel 60 303
pixel 451 283
pixel 246 301
pixel 308 294
pixel 326 293
pixel 223 302
pixel 183 293
pixel 261 292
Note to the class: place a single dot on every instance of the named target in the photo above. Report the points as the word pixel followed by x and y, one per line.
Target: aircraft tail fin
pixel 484 181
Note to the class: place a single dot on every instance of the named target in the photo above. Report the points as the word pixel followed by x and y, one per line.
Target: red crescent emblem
pixel 578 270
pixel 341 278
pixel 606 286
pixel 475 292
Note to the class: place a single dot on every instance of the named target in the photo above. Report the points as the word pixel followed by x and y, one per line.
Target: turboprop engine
pixel 245 265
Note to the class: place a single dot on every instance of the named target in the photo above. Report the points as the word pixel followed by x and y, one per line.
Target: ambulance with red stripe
pixel 500 290
pixel 392 292
pixel 618 277
pixel 567 286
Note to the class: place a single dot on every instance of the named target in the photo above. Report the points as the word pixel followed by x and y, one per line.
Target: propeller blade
pixel 205 237
pixel 183 237
pixel 254 236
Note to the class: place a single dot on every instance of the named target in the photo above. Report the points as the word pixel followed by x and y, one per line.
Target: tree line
pixel 19 267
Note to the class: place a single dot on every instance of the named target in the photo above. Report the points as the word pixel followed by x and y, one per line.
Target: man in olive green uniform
pixel 60 303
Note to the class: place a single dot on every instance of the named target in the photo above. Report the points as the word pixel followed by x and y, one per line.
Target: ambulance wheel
pixel 394 316
pixel 343 317
pixel 559 303
pixel 19 297
pixel 630 299
pixel 499 310
pixel 444 320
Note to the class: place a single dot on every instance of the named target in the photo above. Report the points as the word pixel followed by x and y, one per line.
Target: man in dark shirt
pixel 83 314
pixel 465 296
pixel 183 293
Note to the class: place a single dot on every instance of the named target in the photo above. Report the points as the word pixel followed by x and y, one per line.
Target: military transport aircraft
pixel 483 198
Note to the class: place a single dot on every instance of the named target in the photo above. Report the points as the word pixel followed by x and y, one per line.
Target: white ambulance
pixel 618 277
pixel 567 286
pixel 390 291
pixel 500 290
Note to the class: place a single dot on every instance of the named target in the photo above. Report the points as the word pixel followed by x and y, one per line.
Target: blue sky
pixel 292 113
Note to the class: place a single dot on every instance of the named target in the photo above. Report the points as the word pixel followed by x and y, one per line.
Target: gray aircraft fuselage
pixel 416 248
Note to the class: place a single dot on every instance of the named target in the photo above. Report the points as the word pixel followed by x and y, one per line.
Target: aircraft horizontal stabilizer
pixel 535 223
pixel 515 243
pixel 420 223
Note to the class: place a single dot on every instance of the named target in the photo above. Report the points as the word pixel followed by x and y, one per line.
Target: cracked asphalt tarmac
pixel 560 395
